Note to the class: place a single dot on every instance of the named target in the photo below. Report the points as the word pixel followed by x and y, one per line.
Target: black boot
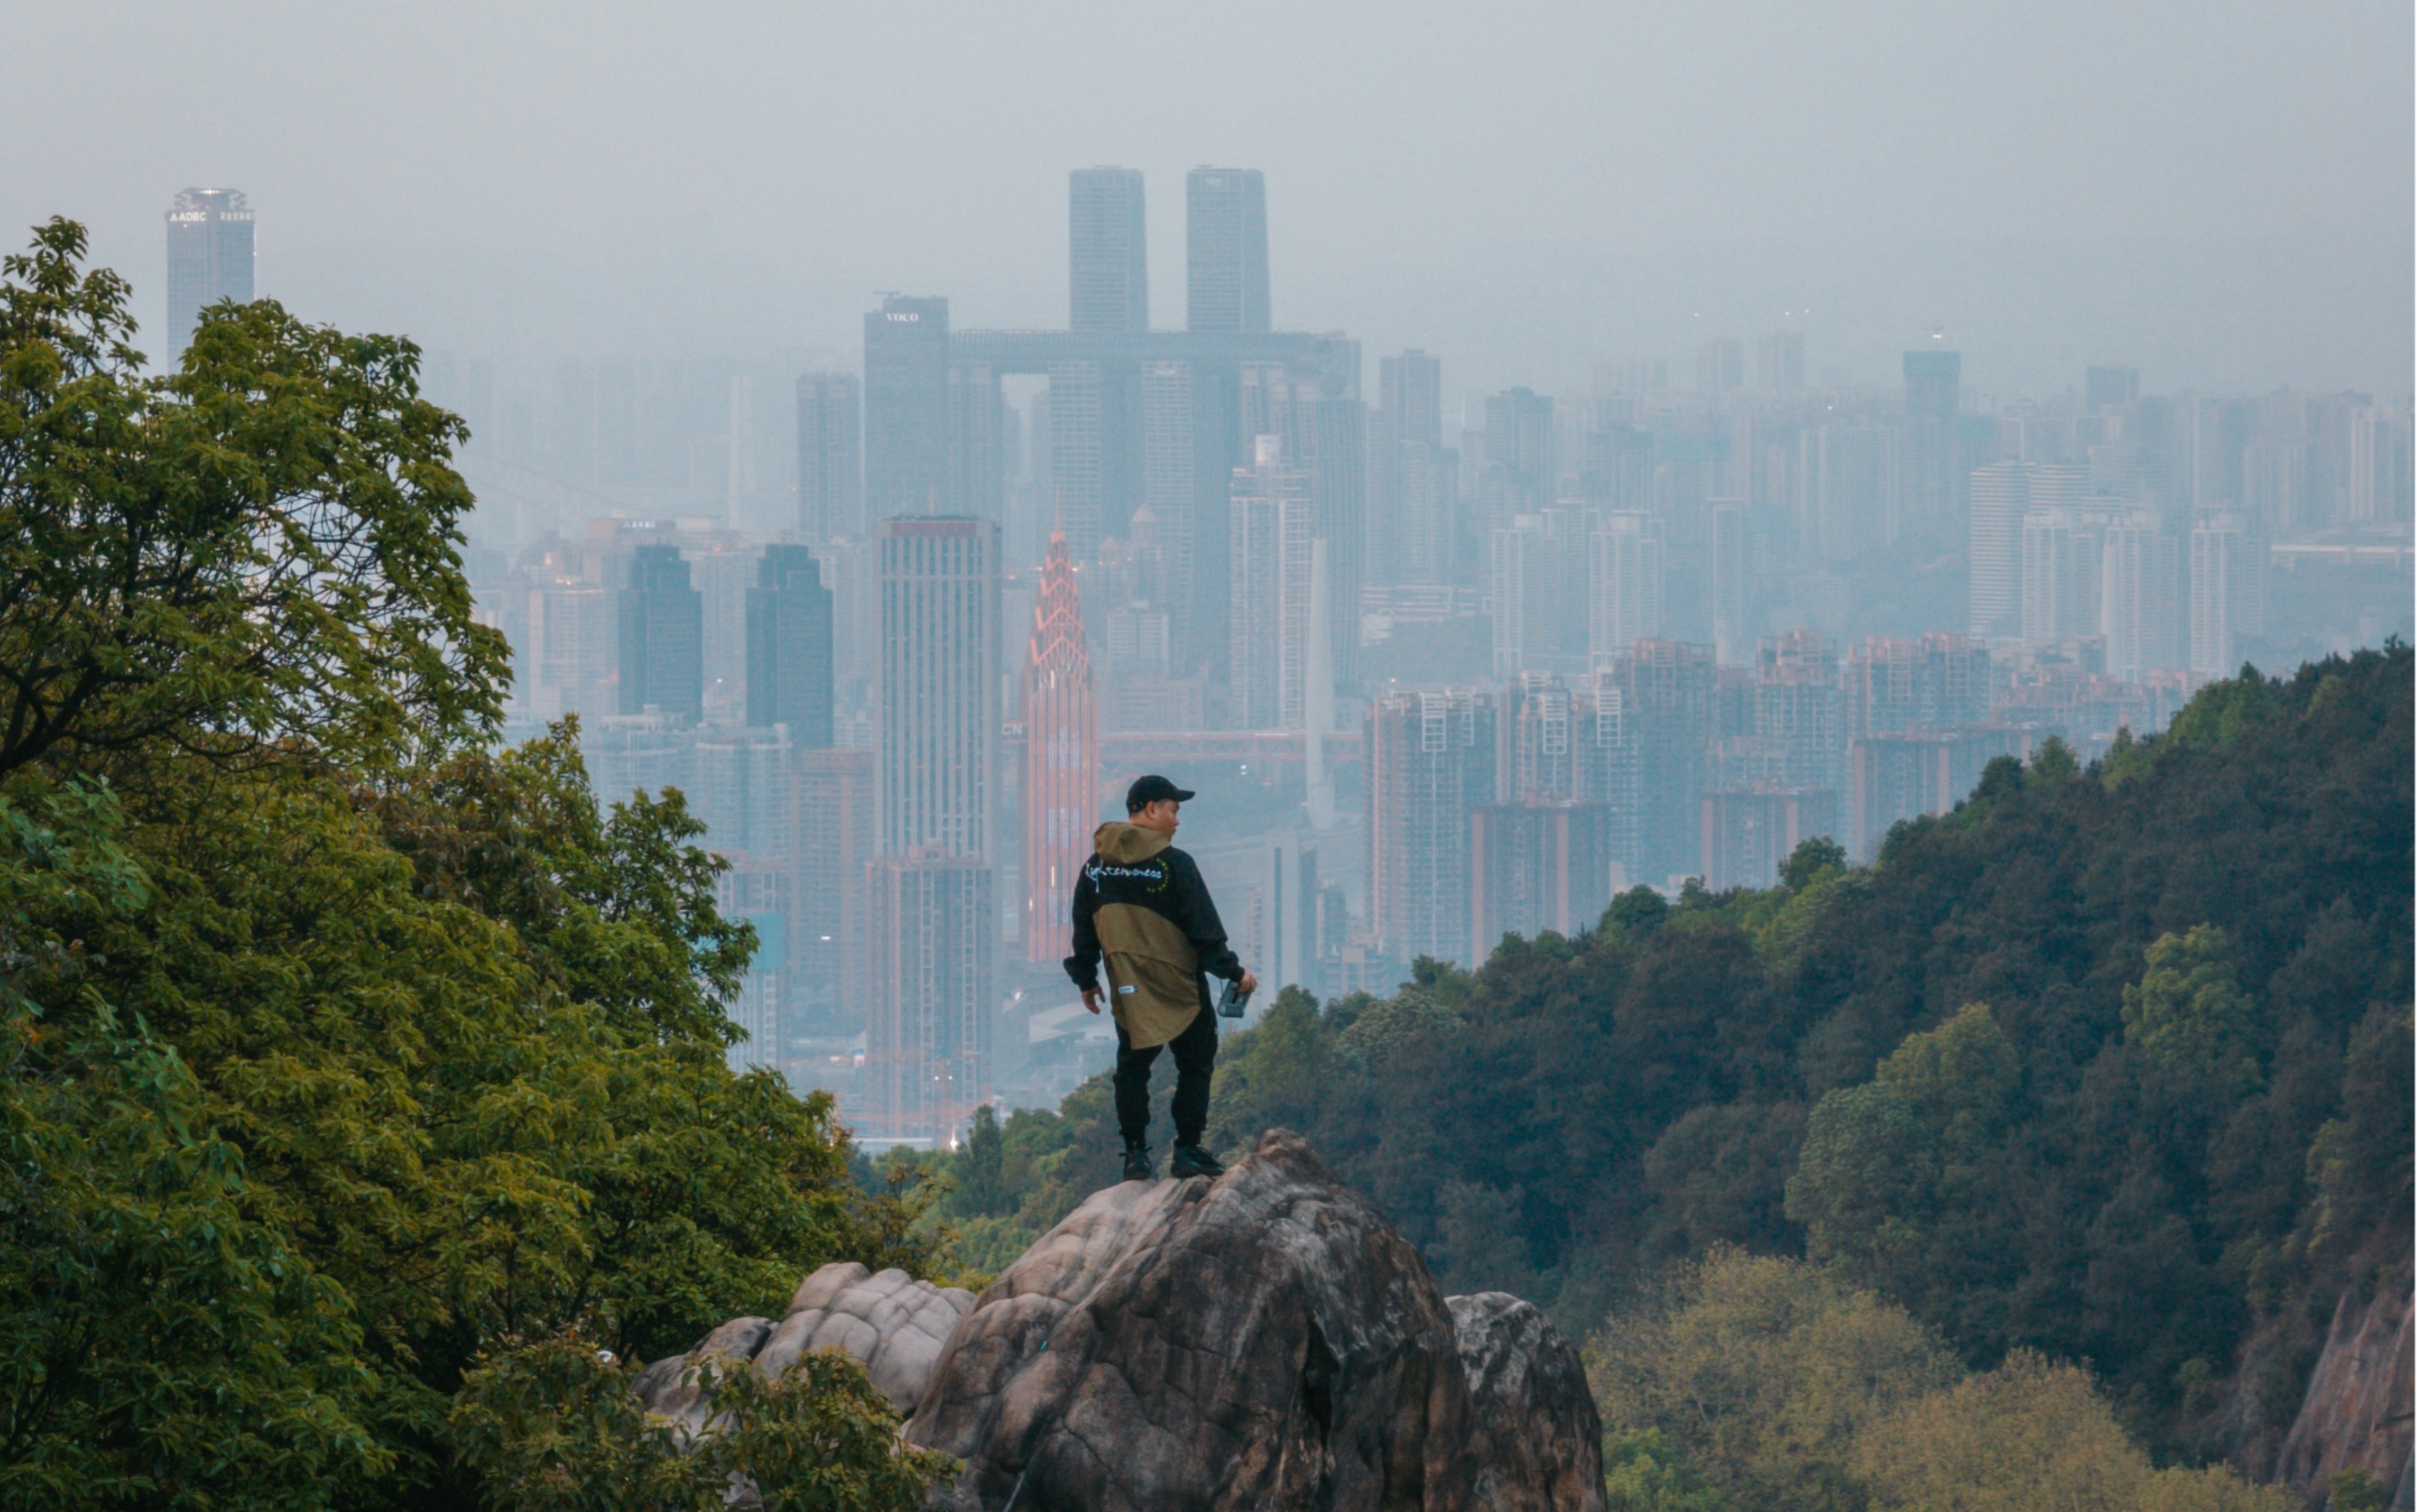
pixel 1192 1160
pixel 1138 1165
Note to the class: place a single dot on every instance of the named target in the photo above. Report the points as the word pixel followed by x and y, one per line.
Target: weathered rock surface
pixel 1264 1341
pixel 892 1323
pixel 2357 1407
pixel 1534 1433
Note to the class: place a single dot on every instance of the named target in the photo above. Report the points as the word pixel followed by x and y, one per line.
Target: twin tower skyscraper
pixel 1225 250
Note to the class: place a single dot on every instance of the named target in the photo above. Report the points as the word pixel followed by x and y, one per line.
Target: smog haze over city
pixel 1779 634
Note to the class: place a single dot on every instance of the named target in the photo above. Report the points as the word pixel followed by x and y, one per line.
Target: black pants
pixel 1195 1059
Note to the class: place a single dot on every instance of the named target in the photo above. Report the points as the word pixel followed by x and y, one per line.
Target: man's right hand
pixel 1249 982
pixel 1091 998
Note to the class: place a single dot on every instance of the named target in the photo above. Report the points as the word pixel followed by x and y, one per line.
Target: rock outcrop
pixel 1534 1434
pixel 2356 1412
pixel 891 1322
pixel 1264 1341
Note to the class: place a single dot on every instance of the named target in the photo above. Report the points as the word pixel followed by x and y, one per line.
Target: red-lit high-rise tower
pixel 1061 765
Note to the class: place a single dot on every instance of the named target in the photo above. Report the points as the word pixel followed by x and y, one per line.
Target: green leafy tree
pixel 260 547
pixel 1754 1374
pixel 2188 1012
pixel 553 1427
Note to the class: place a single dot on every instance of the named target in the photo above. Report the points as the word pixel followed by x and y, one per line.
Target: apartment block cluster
pixel 1442 670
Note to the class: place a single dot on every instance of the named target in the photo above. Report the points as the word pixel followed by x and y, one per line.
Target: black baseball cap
pixel 1148 790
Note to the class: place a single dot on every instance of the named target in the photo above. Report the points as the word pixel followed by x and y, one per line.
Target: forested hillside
pixel 2109 1064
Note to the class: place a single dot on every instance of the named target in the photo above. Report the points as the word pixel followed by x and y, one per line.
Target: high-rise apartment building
pixel 1933 467
pixel 1409 388
pixel 936 699
pixel 789 647
pixel 1667 690
pixel 2108 388
pixel 2228 593
pixel 210 258
pixel 2141 611
pixel 663 637
pixel 741 791
pixel 1848 489
pixel 1061 764
pixel 1800 713
pixel 933 929
pixel 830 468
pixel 1746 834
pixel 832 808
pixel 2001 496
pixel 1720 365
pixel 1430 767
pixel 1108 261
pixel 1517 477
pixel 907 408
pixel 1170 493
pixel 2062 554
pixel 1536 865
pixel 1623 584
pixel 1271 523
pixel 1779 362
pixel 1226 249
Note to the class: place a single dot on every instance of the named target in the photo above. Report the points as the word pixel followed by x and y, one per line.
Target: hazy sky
pixel 2220 192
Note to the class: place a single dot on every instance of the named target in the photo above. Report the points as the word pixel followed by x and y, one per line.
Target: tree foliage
pixel 341 1054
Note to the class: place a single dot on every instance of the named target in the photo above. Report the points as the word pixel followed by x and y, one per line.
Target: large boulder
pixel 1534 1433
pixel 1263 1341
pixel 891 1322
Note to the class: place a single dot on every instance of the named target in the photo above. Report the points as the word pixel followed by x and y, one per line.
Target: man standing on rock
pixel 1141 905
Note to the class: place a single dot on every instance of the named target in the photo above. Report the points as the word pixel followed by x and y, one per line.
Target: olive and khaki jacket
pixel 1140 905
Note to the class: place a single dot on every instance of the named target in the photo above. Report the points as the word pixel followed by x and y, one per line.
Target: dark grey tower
pixel 907 408
pixel 663 637
pixel 1225 246
pixel 1108 266
pixel 210 258
pixel 789 647
pixel 830 472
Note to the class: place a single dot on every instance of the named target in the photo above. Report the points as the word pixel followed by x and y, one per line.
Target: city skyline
pixel 2211 193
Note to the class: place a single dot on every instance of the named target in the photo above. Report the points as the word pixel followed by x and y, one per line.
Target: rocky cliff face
pixel 2357 1409
pixel 1263 1341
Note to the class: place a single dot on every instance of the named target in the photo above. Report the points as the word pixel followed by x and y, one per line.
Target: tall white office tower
pixel 210 258
pixel 934 934
pixel 1271 521
pixel 938 691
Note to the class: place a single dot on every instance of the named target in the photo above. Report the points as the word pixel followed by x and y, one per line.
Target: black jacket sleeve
pixel 1196 916
pixel 1084 964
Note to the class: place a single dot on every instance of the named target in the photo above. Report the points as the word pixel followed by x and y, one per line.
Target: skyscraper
pixel 210 258
pixel 1779 362
pixel 789 647
pixel 1430 767
pixel 663 637
pixel 1226 249
pixel 1518 443
pixel 934 937
pixel 1271 522
pixel 2001 496
pixel 1061 768
pixel 1109 263
pixel 938 694
pixel 2140 608
pixel 1720 365
pixel 830 470
pixel 907 408
pixel 2227 592
pixel 1933 447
